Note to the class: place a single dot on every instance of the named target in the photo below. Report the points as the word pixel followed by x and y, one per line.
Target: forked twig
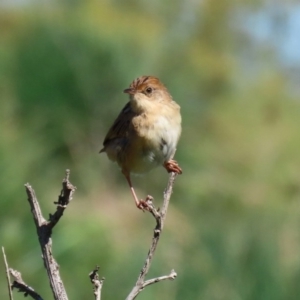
pixel 44 231
pixel 160 217
pixel 22 286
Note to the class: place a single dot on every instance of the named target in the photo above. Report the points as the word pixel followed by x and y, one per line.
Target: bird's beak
pixel 129 91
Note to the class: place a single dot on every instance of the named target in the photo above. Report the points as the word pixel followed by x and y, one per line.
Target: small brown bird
pixel 146 132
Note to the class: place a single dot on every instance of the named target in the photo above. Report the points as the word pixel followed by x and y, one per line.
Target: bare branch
pixel 44 231
pixel 94 276
pixel 160 217
pixel 171 276
pixel 7 275
pixel 22 286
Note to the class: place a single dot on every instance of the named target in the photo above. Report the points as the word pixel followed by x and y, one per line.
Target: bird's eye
pixel 148 90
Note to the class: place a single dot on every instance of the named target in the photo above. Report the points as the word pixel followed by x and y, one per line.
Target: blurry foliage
pixel 233 226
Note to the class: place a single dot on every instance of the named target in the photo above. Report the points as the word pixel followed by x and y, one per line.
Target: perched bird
pixel 146 132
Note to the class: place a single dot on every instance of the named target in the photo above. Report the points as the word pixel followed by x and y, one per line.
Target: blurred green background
pixel 233 226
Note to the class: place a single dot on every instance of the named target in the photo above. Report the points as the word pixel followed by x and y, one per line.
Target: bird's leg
pixel 141 204
pixel 172 166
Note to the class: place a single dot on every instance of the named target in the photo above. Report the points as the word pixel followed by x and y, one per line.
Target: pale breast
pixel 169 133
pixel 159 138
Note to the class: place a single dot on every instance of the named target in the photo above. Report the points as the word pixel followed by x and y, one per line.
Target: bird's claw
pixel 172 166
pixel 145 204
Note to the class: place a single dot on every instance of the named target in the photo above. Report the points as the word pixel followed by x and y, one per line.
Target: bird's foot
pixel 145 204
pixel 172 166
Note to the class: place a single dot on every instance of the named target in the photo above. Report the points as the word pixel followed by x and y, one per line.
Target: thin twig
pixel 44 231
pixel 94 276
pixel 160 217
pixel 63 200
pixel 7 275
pixel 171 276
pixel 22 286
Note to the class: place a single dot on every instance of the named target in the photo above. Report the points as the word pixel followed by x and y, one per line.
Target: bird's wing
pixel 121 127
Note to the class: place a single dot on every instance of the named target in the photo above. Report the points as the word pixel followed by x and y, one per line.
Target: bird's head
pixel 146 90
